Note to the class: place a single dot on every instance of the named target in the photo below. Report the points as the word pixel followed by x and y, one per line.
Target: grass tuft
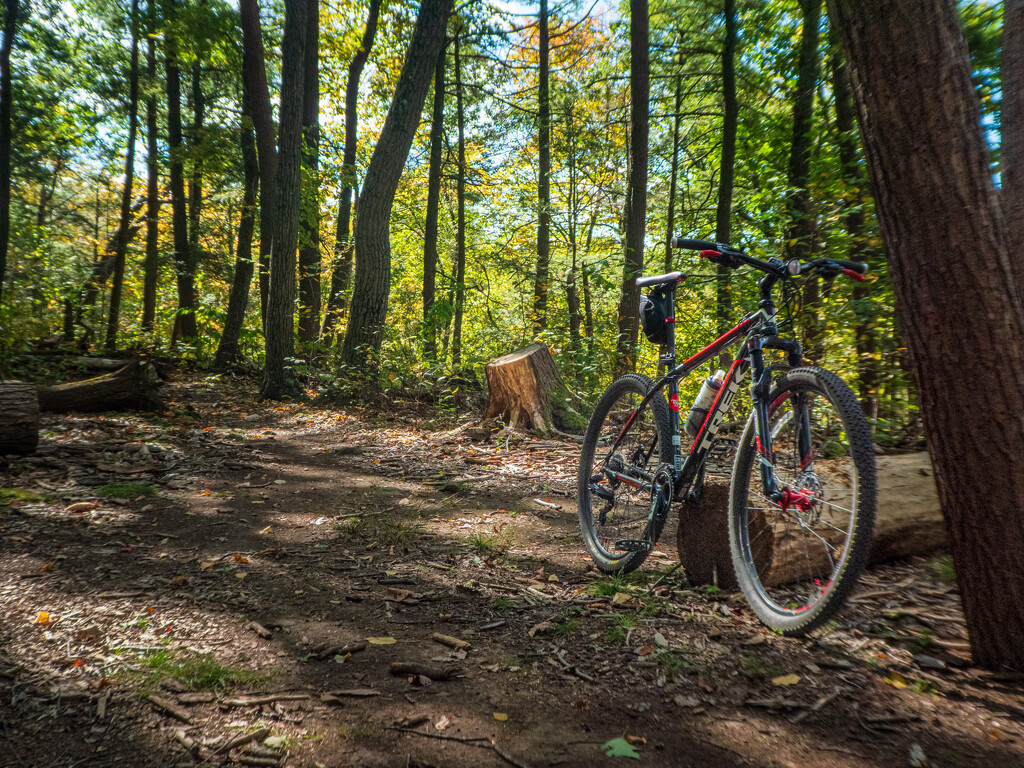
pixel 195 670
pixel 124 490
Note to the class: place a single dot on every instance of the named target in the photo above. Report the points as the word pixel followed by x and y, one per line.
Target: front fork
pixel 760 390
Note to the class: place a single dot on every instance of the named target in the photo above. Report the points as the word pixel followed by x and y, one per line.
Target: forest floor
pixel 231 582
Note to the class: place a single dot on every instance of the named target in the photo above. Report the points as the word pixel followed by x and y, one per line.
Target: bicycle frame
pixel 759 332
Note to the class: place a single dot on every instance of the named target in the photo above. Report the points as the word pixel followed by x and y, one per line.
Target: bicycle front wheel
pixel 626 443
pixel 798 558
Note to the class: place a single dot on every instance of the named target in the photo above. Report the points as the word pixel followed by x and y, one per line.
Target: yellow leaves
pixel 789 679
pixel 264 531
pixel 44 618
pixel 501 717
pixel 896 680
pixel 239 558
pixel 207 565
pixel 381 640
pixel 621 597
pixel 241 575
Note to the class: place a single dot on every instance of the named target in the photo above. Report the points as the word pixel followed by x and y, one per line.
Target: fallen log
pixel 19 418
pixel 526 390
pixel 909 522
pixel 133 386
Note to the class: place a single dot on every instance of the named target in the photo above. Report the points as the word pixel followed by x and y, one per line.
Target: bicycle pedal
pixel 633 545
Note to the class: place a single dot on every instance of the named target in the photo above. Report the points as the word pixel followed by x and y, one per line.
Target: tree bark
pixel 254 71
pixel 433 204
pixel 19 418
pixel 278 380
pixel 11 10
pixel 800 227
pixel 195 180
pixel 1012 122
pixel 460 230
pixel 723 214
pixel 151 265
pixel 121 244
pixel 525 390
pixel 936 202
pixel 541 282
pixel 373 247
pixel 309 239
pixel 184 265
pixel 341 275
pixel 636 191
pixel 238 299
pixel 131 387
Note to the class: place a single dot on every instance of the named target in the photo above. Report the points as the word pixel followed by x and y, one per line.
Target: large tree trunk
pixel 433 204
pixel 373 243
pixel 309 239
pixel 800 227
pixel 186 320
pixel 238 299
pixel 131 387
pixel 541 281
pixel 19 418
pixel 121 244
pixel 11 9
pixel 525 390
pixel 195 179
pixel 963 319
pixel 254 71
pixel 636 191
pixel 460 230
pixel 1012 121
pixel 723 215
pixel 278 380
pixel 342 269
pixel 151 265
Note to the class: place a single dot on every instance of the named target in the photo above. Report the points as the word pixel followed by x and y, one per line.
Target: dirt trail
pixel 275 562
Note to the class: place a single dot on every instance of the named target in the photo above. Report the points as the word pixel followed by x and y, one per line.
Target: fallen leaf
pixel 398 595
pixel 553 577
pixel 241 575
pixel 80 507
pixel 239 558
pixel 47 567
pixel 621 597
pixel 274 742
pixel 896 680
pixel 501 717
pixel 180 581
pixel 789 679
pixel 264 530
pixel 620 748
pixel 381 640
pixel 541 628
pixel 634 740
pixel 443 723
pixel 43 618
pixel 645 650
pixel 279 482
pixel 207 566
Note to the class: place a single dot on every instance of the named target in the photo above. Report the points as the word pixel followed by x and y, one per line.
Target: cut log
pixel 525 390
pixel 133 386
pixel 19 418
pixel 909 523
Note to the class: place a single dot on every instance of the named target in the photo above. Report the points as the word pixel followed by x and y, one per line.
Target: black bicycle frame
pixel 761 332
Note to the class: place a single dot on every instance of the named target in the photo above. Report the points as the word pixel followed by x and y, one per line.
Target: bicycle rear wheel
pixel 796 561
pixel 624 491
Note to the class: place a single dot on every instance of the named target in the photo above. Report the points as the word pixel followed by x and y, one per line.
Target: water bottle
pixel 702 404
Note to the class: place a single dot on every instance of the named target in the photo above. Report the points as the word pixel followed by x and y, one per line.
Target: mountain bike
pixel 803 491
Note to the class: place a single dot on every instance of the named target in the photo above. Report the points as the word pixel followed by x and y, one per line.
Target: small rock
pixel 687 702
pixel 928 662
pixel 917 757
pixel 660 641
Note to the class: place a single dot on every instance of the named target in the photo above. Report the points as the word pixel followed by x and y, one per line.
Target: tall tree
pixel 150 267
pixel 635 214
pixel 309 239
pixel 433 204
pixel 195 179
pixel 373 243
pixel 460 230
pixel 723 214
pixel 255 73
pixel 11 8
pixel 278 379
pixel 1012 121
pixel 540 289
pixel 238 298
pixel 121 244
pixel 184 265
pixel 341 274
pixel 933 190
pixel 800 227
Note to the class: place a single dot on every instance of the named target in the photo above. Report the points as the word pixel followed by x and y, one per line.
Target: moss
pixel 124 490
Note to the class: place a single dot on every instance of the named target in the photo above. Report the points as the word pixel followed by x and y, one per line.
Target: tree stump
pixel 19 418
pixel 130 387
pixel 909 522
pixel 526 390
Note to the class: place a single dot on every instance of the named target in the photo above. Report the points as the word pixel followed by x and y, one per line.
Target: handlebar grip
pixel 694 245
pixel 856 266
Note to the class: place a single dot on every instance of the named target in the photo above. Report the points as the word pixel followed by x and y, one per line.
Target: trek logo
pixel 725 400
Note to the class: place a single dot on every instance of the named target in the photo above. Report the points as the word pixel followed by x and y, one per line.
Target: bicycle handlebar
pixel 726 254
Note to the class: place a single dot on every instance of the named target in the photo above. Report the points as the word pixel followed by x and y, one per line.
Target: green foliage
pixel 124 490
pixel 195 670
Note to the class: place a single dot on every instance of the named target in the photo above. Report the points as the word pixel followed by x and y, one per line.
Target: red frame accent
pixel 714 404
pixel 737 330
